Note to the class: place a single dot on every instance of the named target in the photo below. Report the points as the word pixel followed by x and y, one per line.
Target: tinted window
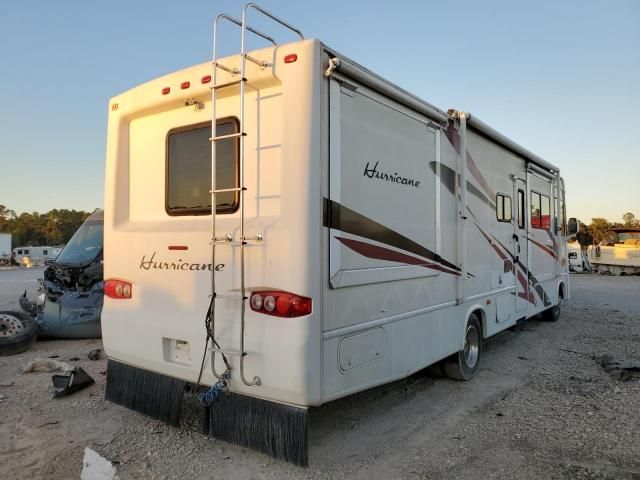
pixel 540 211
pixel 503 207
pixel 521 210
pixel 189 169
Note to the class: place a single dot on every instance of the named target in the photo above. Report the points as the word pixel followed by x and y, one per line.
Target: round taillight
pixel 298 307
pixel 119 290
pixel 282 304
pixel 269 303
pixel 256 301
pixel 126 291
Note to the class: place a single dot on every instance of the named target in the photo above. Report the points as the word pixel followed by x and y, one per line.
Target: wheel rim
pixel 10 326
pixel 471 346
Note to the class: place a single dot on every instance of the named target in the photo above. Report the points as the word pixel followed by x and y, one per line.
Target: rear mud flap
pixel 275 429
pixel 278 430
pixel 150 393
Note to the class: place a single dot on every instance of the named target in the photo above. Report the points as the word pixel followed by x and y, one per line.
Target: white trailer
pixel 5 246
pixel 353 243
pixel 35 255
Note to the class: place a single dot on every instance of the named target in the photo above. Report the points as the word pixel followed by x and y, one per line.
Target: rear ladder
pixel 227 240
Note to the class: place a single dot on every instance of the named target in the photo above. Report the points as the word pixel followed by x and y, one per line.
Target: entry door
pixel 523 297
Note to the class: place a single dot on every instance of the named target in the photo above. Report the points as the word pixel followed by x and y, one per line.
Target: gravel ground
pixel 541 407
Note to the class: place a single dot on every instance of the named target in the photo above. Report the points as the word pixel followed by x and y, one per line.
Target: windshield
pixel 85 245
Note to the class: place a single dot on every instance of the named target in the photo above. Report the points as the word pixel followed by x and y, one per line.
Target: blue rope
pixel 216 391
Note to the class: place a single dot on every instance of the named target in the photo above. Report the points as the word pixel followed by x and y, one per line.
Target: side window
pixel 26 252
pixel 503 207
pixel 521 215
pixel 19 252
pixel 540 211
pixel 545 218
pixel 45 252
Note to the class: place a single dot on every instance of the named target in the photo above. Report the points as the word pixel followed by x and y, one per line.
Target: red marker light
pixel 185 85
pixel 178 247
pixel 206 79
pixel 166 90
pixel 292 57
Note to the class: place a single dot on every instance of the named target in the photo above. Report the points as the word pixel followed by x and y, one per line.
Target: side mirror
pixel 572 226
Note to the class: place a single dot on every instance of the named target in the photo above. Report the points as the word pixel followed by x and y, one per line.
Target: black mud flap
pixel 149 393
pixel 278 430
pixel 275 429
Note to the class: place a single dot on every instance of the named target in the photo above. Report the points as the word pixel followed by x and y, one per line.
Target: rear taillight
pixel 280 304
pixel 118 289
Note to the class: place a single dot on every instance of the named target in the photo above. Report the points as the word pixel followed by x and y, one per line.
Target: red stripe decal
pixel 178 247
pixel 545 248
pixel 454 138
pixel 380 253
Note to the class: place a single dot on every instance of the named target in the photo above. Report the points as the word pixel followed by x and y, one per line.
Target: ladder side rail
pixel 214 132
pixel 243 66
pixel 270 15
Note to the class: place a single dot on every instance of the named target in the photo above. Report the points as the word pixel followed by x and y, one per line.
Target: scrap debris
pixel 95 354
pixel 76 380
pixel 623 370
pixel 46 365
pixel 96 467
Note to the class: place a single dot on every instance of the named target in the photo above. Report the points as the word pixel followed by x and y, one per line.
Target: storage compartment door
pixel 383 210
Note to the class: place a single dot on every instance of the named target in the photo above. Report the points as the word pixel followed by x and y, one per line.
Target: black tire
pixel 17 332
pixel 465 364
pixel 553 314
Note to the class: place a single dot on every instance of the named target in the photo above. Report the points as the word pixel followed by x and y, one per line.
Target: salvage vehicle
pixel 619 253
pixel 71 296
pixel 288 228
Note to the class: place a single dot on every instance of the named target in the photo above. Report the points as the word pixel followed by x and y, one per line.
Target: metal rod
pixel 222 190
pixel 231 70
pixel 214 133
pixel 243 64
pixel 271 16
pixel 229 84
pixel 225 137
pixel 260 63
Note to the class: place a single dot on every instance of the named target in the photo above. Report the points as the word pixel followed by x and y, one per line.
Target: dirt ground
pixel 541 407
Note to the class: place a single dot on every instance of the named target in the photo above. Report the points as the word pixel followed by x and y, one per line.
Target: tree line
pixel 600 228
pixel 35 229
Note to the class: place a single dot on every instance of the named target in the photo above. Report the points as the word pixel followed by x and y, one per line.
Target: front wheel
pixel 552 314
pixel 465 364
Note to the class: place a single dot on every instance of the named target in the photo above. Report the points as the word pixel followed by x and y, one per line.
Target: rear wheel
pixel 465 364
pixel 17 332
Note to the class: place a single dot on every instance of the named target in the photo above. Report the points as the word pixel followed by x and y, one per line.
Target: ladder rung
pixel 233 70
pixel 223 190
pixel 228 352
pixel 224 137
pixel 230 297
pixel 260 63
pixel 229 84
pixel 227 242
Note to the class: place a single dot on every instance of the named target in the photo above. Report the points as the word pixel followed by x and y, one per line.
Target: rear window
pixel 189 169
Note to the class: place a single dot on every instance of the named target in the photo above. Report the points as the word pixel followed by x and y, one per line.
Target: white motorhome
pixel 36 255
pixel 360 234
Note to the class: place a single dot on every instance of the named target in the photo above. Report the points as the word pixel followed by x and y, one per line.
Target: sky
pixel 561 78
